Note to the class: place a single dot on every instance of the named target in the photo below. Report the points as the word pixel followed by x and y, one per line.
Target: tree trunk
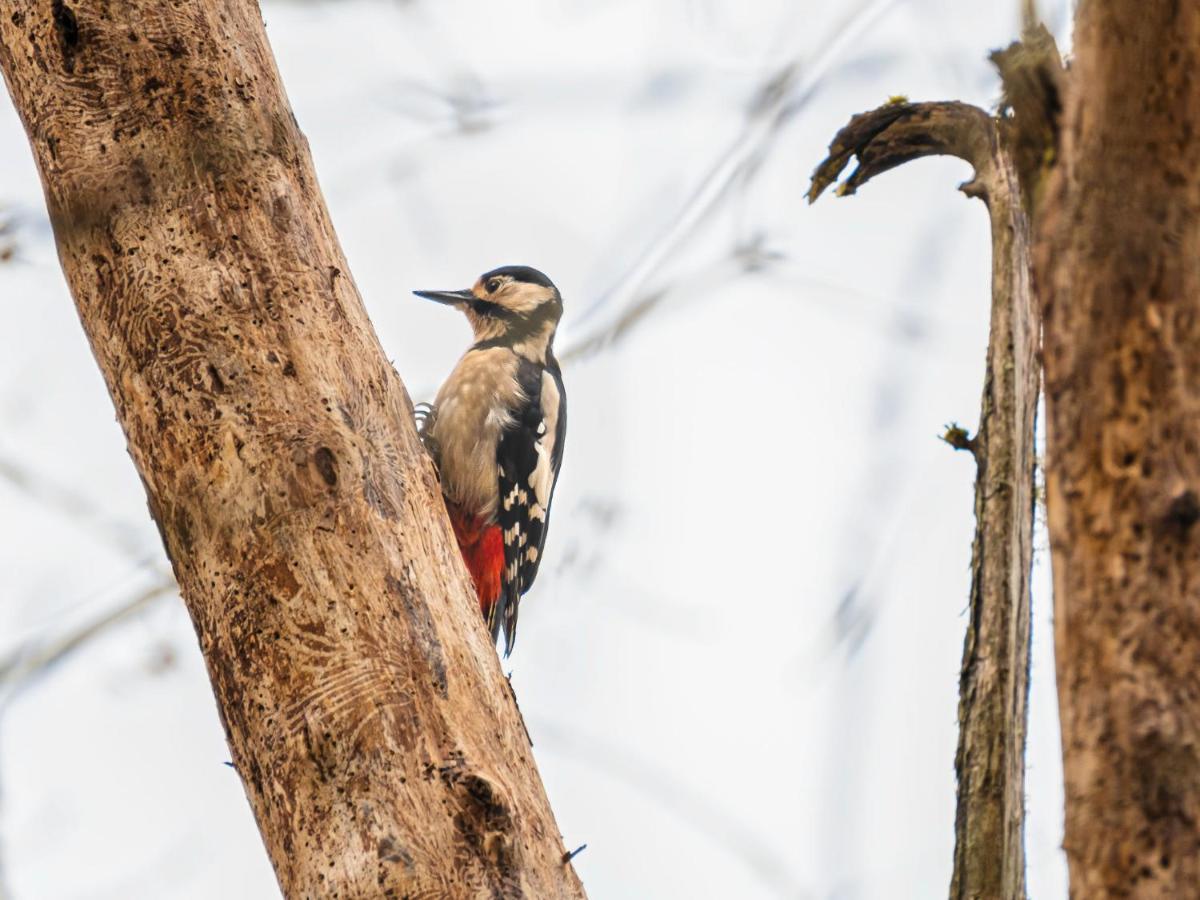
pixel 1117 259
pixel 993 697
pixel 365 709
pixel 989 852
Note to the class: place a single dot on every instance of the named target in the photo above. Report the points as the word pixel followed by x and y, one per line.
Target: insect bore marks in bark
pixel 66 26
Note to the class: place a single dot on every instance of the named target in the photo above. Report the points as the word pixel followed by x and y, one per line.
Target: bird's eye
pixel 493 285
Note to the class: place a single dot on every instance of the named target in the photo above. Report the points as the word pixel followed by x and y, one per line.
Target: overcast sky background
pixel 739 665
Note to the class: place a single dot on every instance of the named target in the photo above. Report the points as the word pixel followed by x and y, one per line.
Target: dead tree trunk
pixel 989 853
pixel 1117 261
pixel 365 710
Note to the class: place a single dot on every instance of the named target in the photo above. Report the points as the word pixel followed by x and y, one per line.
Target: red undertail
pixel 482 548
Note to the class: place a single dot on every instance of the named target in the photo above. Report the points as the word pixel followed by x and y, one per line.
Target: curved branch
pixel 989 855
pixel 898 132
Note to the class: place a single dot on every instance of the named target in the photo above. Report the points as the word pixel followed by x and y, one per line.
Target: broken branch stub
pixel 899 132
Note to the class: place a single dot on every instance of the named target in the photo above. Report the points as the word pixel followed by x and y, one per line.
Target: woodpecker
pixel 495 432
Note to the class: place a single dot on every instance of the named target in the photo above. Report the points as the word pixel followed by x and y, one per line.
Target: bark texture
pixel 989 855
pixel 365 709
pixel 1118 264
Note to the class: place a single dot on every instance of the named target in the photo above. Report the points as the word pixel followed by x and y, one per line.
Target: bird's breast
pixel 474 406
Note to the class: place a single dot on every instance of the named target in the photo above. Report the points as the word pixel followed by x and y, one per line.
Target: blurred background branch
pixel 774 104
pixel 34 658
pixel 79 509
pixel 681 800
pixel 8 249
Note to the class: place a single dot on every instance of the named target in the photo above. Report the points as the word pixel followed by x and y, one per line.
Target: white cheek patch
pixel 525 298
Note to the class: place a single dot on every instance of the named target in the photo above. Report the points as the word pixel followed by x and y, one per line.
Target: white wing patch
pixel 541 479
pixel 516 495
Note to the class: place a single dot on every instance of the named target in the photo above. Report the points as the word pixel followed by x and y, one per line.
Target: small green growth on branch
pixel 958 437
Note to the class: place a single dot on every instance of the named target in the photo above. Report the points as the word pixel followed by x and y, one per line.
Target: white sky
pixel 758 454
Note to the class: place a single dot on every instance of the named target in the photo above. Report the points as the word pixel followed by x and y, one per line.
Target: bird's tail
pixel 503 614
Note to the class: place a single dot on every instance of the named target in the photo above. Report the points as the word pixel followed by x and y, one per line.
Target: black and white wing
pixel 529 456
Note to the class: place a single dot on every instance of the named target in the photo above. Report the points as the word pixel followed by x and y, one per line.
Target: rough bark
pixel 365 709
pixel 1118 266
pixel 989 856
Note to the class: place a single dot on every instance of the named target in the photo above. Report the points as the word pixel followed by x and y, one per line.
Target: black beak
pixel 450 298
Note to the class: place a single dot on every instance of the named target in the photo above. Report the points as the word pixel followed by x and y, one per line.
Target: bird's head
pixel 513 306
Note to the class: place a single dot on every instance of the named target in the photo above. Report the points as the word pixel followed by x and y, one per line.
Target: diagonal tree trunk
pixel 1117 262
pixel 365 709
